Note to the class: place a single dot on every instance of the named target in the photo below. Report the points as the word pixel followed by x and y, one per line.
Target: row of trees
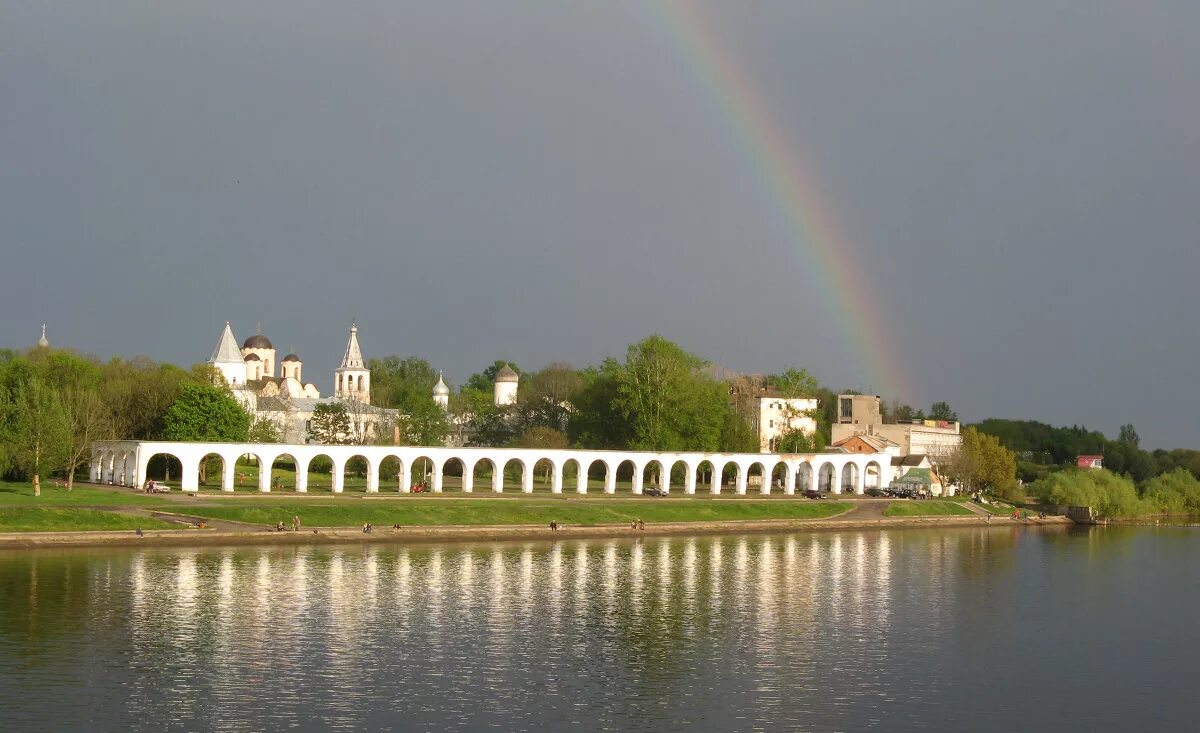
pixel 1042 448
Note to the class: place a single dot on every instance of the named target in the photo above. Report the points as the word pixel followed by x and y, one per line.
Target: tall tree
pixel 205 413
pixel 670 404
pixel 88 420
pixel 330 424
pixel 41 437
pixel 1129 436
pixel 407 385
pixel 942 411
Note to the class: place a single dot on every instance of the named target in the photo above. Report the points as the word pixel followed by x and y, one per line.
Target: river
pixel 992 629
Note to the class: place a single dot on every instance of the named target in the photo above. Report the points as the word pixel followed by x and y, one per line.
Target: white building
pixel 506 386
pixel 286 401
pixel 775 415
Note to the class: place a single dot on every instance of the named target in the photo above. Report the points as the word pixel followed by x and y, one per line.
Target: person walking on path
pixel 296 523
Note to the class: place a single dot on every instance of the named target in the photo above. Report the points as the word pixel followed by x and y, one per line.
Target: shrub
pixel 1176 492
pixel 1110 495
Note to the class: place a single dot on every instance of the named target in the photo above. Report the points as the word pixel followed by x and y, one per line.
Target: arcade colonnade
pixel 125 462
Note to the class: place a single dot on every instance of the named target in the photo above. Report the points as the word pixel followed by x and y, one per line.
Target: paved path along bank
pixel 861 517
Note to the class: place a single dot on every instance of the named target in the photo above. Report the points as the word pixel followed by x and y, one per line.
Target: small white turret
pixel 352 380
pixel 227 359
pixel 506 386
pixel 441 393
pixel 43 341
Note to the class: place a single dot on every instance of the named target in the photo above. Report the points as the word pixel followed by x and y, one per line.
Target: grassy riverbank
pixel 474 512
pixel 52 519
pixel 61 510
pixel 926 508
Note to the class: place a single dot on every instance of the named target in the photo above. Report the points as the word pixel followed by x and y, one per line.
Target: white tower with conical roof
pixel 506 386
pixel 441 393
pixel 352 380
pixel 227 358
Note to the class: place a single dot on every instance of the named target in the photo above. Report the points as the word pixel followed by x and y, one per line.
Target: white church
pixel 287 401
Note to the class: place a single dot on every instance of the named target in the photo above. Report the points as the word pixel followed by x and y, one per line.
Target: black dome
pixel 257 341
pixel 291 357
pixel 252 357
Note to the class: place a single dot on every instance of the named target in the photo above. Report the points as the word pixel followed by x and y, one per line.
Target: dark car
pixel 876 492
pixel 654 492
pixel 813 494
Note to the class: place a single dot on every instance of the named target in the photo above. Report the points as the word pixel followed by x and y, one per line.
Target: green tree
pixel 670 405
pixel 205 413
pixel 262 430
pixel 1129 436
pixel 596 421
pixel 981 463
pixel 737 434
pixel 87 419
pixel 794 383
pixel 330 424
pixel 40 441
pixel 1108 494
pixel 942 411
pixel 407 385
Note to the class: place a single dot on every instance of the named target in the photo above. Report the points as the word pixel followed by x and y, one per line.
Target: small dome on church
pixel 252 357
pixel 291 357
pixel 257 341
pixel 440 389
pixel 506 374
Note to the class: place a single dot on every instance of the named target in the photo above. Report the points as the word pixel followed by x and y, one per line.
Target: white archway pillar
pixel 581 480
pixel 372 476
pixel 437 476
pixel 689 483
pixel 468 478
pixel 189 479
pixel 610 478
pixel 742 479
pixel 768 476
pixel 557 486
pixel 789 480
pixel 339 475
pixel 497 476
pixel 228 471
pixel 301 474
pixel 527 477
pixel 264 476
pixel 835 479
pixel 637 478
pixel 664 476
pixel 715 479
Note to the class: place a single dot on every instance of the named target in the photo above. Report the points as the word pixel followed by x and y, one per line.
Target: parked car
pixel 876 492
pixel 653 492
pixel 813 494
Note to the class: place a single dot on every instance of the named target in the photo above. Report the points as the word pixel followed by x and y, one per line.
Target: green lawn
pixel 21 494
pixel 925 508
pixel 52 519
pixel 423 511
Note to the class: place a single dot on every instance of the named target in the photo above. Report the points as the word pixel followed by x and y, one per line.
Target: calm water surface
pixel 974 629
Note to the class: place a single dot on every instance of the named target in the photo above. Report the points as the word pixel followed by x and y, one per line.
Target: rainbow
pixel 789 183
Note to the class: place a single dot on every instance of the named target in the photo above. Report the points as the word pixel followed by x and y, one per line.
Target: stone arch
pixel 804 477
pixel 543 468
pixel 161 466
pixel 653 473
pixel 517 475
pixel 246 470
pixel 873 475
pixel 213 468
pixel 591 473
pixel 454 473
pixel 359 473
pixel 391 472
pixel 494 476
pixel 425 474
pixel 758 476
pixel 849 479
pixel 318 472
pixel 284 474
pixel 572 475
pixel 779 478
pixel 681 473
pixel 705 473
pixel 827 478
pixel 626 468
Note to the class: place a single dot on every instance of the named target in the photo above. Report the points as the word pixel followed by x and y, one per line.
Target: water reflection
pixel 739 632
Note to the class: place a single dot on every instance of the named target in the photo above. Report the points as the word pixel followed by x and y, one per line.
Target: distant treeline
pixel 1040 448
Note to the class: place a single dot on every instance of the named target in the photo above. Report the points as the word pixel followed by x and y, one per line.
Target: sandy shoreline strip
pixel 488 533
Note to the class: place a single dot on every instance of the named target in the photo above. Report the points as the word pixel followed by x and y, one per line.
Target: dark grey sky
pixel 543 180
